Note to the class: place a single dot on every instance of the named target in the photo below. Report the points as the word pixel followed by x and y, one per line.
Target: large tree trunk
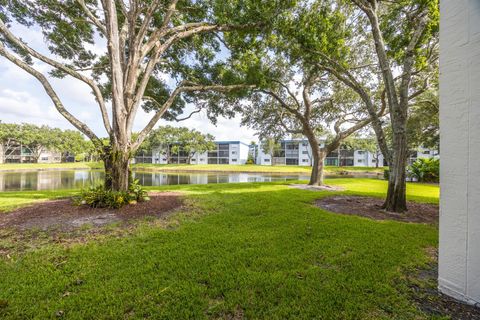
pixel 117 170
pixel 396 200
pixel 316 178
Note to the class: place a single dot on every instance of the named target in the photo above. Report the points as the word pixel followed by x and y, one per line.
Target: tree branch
pixel 141 89
pixel 96 90
pixel 290 93
pixel 52 94
pixel 92 17
pixel 189 116
pixel 282 103
pixel 169 14
pixel 185 31
pixel 409 61
pixel 185 86
pixel 113 42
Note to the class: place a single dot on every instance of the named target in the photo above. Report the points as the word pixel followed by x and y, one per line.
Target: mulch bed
pixel 371 208
pixel 64 216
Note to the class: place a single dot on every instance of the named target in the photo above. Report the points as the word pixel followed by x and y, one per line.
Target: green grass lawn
pixel 250 168
pixel 250 250
pixel 10 200
pixel 39 166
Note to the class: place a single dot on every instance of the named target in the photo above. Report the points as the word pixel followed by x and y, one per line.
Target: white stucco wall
pixel 459 255
pixel 305 156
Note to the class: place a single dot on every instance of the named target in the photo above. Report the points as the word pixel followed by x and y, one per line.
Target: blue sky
pixel 22 99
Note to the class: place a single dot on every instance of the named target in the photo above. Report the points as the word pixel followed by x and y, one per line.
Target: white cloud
pixel 21 106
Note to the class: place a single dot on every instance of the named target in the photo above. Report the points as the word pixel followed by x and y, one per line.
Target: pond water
pixel 76 179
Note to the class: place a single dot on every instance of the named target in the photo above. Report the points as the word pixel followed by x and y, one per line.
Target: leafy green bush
pixel 425 170
pixel 99 197
pixel 136 192
pixel 386 173
pixel 250 161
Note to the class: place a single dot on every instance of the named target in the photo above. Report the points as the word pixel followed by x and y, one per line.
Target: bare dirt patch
pixel 315 188
pixel 62 215
pixel 371 208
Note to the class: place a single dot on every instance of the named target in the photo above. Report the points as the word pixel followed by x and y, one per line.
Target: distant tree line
pixel 173 140
pixel 39 139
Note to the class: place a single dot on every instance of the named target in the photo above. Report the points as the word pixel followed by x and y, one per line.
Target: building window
pixel 361 152
pixel 193 160
pixel 304 152
pixel 223 147
pixel 304 160
pixel 234 160
pixel 234 152
pixel 44 158
pixel 426 152
pixel 202 160
pixel 291 161
pixel 331 161
pixel 305 144
pixel 360 160
pixel 374 160
pixel 266 160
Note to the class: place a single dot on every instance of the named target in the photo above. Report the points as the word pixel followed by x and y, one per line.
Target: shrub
pixel 99 197
pixel 250 161
pixel 386 173
pixel 137 193
pixel 425 170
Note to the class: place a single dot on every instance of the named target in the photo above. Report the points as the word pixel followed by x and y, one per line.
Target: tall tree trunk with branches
pixel 396 92
pixel 139 35
pixel 295 115
pixel 398 101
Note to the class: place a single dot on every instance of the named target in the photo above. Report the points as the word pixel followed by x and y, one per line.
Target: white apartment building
pixel 299 152
pixel 18 153
pixel 423 153
pixel 291 152
pixel 225 152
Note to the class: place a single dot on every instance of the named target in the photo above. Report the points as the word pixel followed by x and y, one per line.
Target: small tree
pixel 9 136
pixel 271 146
pixel 70 142
pixel 367 143
pixel 38 139
pixel 252 153
pixel 173 140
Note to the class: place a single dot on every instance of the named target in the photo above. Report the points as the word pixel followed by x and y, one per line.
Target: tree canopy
pixel 173 140
pixel 43 138
pixel 150 54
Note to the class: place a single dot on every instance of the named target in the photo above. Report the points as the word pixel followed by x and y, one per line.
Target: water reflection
pixel 77 179
pixel 48 180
